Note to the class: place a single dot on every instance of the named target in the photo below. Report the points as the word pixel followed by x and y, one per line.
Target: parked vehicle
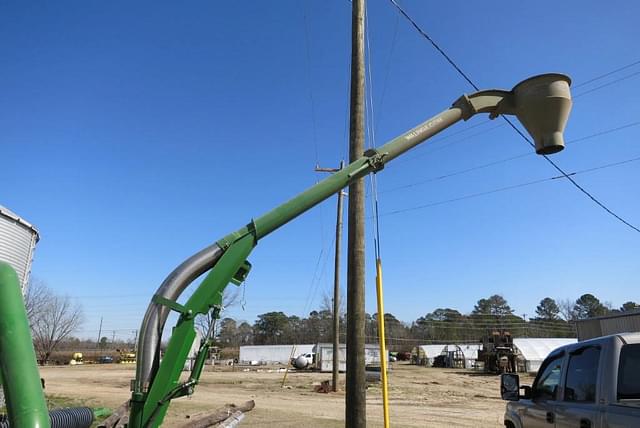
pixel 498 353
pixel 304 361
pixel 77 359
pixel 590 384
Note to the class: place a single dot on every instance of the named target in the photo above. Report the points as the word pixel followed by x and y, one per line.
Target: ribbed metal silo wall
pixel 18 240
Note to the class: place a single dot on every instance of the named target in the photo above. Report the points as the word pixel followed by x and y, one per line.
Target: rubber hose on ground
pixel 72 417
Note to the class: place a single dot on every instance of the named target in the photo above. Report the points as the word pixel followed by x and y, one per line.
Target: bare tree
pixel 206 323
pixel 53 318
pixel 567 310
pixel 327 303
pixel 37 296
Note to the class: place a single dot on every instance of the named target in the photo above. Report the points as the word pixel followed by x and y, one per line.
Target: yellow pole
pixel 286 371
pixel 383 348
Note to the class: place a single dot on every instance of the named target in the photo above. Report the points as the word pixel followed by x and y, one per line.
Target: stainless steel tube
pixel 147 358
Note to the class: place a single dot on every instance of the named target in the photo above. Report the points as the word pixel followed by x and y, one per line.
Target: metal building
pixel 622 322
pixel 324 356
pixel 532 351
pixel 272 354
pixel 424 355
pixel 18 240
pixel 470 354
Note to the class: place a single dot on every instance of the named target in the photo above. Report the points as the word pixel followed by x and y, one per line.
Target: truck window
pixel 629 372
pixel 546 384
pixel 582 373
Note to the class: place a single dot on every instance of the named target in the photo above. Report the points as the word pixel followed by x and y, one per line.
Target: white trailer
pixel 272 354
pixel 324 356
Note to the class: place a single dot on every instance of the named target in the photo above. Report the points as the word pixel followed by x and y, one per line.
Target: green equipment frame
pixel 541 103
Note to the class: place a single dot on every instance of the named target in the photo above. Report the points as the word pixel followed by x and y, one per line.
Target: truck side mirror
pixel 510 387
pixel 526 392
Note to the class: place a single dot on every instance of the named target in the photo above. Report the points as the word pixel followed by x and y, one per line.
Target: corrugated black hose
pixel 72 417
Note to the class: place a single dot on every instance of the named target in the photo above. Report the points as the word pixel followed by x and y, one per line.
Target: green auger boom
pixel 541 103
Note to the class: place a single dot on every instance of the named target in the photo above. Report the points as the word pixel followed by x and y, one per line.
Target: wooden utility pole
pixel 336 285
pixel 356 396
pixel 99 334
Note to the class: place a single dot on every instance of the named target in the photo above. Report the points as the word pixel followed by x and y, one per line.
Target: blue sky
pixel 133 135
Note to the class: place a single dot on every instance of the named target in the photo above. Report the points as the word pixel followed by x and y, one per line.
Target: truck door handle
pixel 550 417
pixel 585 423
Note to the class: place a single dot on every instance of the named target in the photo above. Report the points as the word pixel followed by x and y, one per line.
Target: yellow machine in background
pixel 77 359
pixel 127 357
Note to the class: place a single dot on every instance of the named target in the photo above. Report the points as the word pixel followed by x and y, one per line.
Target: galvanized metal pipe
pixel 156 316
pixel 26 405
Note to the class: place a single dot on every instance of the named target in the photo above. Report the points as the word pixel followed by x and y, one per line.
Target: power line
pixel 461 198
pixel 444 146
pixel 450 143
pixel 563 329
pixel 512 187
pixel 602 76
pixel 560 325
pixel 607 84
pixel 485 319
pixel 579 187
pixel 505 160
pixel 108 296
pixel 468 137
pixel 372 143
pixel 442 341
pixel 551 162
pixel 471 316
pixel 435 45
pixel 388 65
pixel 596 168
pixel 604 132
pixel 453 174
pixel 466 77
pixel 309 80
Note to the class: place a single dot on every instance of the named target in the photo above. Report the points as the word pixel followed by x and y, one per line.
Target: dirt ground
pixel 419 396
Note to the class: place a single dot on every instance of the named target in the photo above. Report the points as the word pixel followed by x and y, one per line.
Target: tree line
pixel 552 318
pixel 54 318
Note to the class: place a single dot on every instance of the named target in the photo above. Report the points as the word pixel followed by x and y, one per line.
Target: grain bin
pixel 18 240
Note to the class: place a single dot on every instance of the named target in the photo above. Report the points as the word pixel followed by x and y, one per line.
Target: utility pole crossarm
pixel 318 169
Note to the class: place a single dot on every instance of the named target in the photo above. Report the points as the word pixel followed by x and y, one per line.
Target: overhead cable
pixel 505 160
pixel 629 76
pixel 511 187
pixel 372 143
pixel 607 74
pixel 551 162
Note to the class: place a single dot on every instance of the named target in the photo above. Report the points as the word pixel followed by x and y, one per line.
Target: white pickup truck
pixel 590 384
